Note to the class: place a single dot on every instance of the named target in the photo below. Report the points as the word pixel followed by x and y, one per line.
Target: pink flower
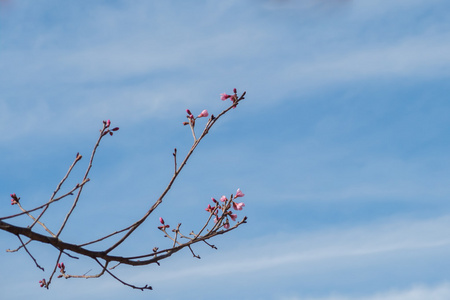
pixel 238 206
pixel 204 113
pixel 226 225
pixel 233 217
pixel 224 96
pixel 239 193
pixel 223 198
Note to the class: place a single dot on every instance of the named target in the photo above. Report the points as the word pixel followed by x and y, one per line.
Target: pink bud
pixel 161 220
pixel 188 112
pixel 226 225
pixel 223 198
pixel 234 90
pixel 204 113
pixel 14 199
pixel 108 123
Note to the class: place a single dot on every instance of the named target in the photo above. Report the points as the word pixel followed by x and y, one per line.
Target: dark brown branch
pixel 221 225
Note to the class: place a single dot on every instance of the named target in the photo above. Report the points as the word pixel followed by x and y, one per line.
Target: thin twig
pixel 149 258
pixel 54 270
pixel 35 261
pixel 79 185
pixel 159 201
pixel 102 134
pixel 35 220
pixel 58 187
pixel 146 287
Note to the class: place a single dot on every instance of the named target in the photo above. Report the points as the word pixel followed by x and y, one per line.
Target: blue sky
pixel 341 146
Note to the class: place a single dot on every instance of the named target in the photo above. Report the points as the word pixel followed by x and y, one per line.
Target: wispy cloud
pixel 303 254
pixel 67 68
pixel 416 292
pixel 421 56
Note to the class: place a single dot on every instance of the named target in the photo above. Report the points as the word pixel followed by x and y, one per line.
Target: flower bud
pixel 204 113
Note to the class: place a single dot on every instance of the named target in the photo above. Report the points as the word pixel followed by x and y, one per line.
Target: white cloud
pixel 420 56
pixel 416 292
pixel 302 254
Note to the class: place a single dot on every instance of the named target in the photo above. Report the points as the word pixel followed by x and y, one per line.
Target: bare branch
pixel 25 247
pixel 220 212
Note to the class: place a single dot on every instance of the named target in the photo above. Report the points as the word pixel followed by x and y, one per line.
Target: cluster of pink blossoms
pixel 227 203
pixel 62 269
pixel 14 199
pixel 42 283
pixel 107 125
pixel 233 98
pixel 191 118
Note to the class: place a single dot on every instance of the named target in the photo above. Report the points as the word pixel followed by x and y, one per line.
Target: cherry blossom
pixel 239 193
pixel 238 206
pixel 204 113
pixel 224 96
